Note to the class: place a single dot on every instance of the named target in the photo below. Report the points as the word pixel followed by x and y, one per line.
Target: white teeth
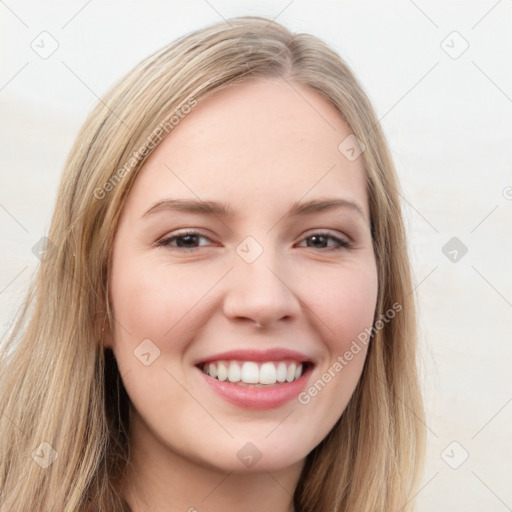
pixel 290 374
pixel 281 372
pixel 234 372
pixel 268 373
pixel 250 372
pixel 222 371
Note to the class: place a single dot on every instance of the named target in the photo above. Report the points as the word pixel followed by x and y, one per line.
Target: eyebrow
pixel 220 209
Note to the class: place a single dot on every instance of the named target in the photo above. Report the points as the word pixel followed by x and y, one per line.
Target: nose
pixel 261 293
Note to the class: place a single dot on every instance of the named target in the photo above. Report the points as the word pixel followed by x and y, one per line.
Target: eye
pixel 319 241
pixel 189 241
pixel 186 240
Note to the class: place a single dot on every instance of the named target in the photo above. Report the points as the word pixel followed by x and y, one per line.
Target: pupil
pixel 185 237
pixel 317 238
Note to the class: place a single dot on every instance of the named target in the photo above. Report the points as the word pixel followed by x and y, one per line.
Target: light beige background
pixel 447 118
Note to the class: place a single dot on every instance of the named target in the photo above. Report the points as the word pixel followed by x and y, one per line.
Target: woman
pixel 270 368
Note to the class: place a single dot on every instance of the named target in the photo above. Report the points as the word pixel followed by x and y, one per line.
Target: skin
pixel 259 146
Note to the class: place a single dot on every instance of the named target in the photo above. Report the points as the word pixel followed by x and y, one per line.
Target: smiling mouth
pixel 255 374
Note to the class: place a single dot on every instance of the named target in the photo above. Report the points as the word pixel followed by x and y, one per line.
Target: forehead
pixel 264 141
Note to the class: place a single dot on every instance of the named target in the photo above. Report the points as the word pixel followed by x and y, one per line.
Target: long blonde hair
pixel 65 414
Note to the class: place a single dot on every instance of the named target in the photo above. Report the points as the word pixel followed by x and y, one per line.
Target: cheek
pixel 347 307
pixel 155 301
pixel 140 303
pixel 349 304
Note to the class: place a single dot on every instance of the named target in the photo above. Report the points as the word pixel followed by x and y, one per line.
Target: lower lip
pixel 257 398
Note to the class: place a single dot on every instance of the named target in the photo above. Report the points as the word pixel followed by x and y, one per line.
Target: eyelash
pixel 165 242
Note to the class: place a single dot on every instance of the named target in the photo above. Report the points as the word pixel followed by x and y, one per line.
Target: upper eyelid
pixel 194 231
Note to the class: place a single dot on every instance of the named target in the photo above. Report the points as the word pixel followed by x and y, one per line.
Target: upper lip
pixel 272 354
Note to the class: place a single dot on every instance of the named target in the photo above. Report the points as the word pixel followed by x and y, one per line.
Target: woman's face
pixel 267 280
